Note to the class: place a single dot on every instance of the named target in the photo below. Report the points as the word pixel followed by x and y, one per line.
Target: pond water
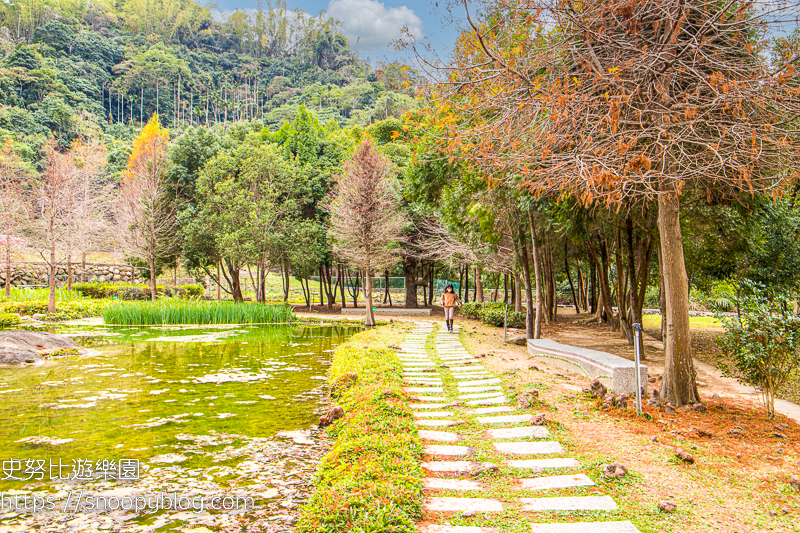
pixel 190 404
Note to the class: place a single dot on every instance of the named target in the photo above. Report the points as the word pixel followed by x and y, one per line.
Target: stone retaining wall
pixel 36 273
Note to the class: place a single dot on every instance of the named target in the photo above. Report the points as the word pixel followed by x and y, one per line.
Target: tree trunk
pixel 83 267
pixel 679 385
pixel 593 283
pixel 517 293
pixel 8 265
pixel 342 281
pixel 236 284
pixel 219 281
pixel 536 269
pixel 387 295
pixel 505 288
pixel 152 264
pixel 662 301
pixel 369 314
pixel 410 272
pixel 466 284
pixel 69 271
pixel 478 285
pixel 569 278
pixel 532 324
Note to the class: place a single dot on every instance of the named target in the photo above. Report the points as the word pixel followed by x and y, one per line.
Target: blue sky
pixel 371 25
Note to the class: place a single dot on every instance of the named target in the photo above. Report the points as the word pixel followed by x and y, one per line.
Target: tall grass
pixel 33 295
pixel 194 312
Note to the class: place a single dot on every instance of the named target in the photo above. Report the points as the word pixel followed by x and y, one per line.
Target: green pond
pixel 150 387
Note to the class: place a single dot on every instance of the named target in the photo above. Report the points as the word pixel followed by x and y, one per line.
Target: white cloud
pixel 370 25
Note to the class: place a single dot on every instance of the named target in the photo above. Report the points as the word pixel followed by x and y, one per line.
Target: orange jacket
pixel 450 299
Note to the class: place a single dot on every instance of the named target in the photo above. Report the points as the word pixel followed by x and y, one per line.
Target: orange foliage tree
pixel 145 210
pixel 620 103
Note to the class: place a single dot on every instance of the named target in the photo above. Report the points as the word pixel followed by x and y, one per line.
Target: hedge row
pixel 64 310
pixel 371 480
pixel 127 291
pixel 493 313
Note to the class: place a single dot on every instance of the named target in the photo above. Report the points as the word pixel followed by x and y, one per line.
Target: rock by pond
pixel 21 346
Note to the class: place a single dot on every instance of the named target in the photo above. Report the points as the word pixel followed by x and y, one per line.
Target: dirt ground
pixel 740 481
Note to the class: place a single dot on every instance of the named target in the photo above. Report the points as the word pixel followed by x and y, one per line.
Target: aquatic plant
pixel 195 312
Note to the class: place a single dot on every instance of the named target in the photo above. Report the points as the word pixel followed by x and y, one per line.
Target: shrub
pixel 69 310
pixel 195 312
pixel 8 320
pixel 128 291
pixel 371 480
pixel 760 346
pixel 493 313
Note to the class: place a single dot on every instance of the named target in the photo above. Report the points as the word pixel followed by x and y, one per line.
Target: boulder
pixel 527 399
pixel 519 340
pixel 597 389
pixel 614 470
pixel 29 346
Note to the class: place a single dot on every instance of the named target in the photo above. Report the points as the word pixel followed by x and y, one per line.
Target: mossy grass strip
pixel 371 480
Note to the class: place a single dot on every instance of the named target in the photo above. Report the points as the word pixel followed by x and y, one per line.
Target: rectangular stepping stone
pixel 495 388
pixel 436 528
pixel 479 505
pixel 480 382
pixel 539 464
pixel 488 401
pixel 507 419
pixel 471 376
pixel 440 449
pixel 433 414
pixel 430 405
pixel 453 467
pixel 435 423
pixel 487 410
pixel 556 482
pixel 579 527
pixel 423 390
pixel 451 484
pixel 439 436
pixel 423 380
pixel 538 432
pixel 467 369
pixel 572 503
pixel 430 399
pixel 528 448
pixel 475 396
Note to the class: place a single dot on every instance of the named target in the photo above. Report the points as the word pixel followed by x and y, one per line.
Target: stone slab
pixel 438 436
pixel 506 419
pixel 480 382
pixel 572 503
pixel 537 432
pixel 396 311
pixel 440 449
pixel 488 388
pixel 556 482
pixel 423 381
pixel 451 484
pixel 431 399
pixel 471 376
pixel 451 505
pixel 488 410
pixel 538 464
pixel 429 405
pixel 580 527
pixel 433 414
pixel 453 467
pixel 488 401
pixel 438 528
pixel 470 368
pixel 436 423
pixel 614 371
pixel 528 448
pixel 423 390
pixel 480 395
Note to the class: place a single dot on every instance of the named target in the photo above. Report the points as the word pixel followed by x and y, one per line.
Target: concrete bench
pixel 615 372
pixel 397 311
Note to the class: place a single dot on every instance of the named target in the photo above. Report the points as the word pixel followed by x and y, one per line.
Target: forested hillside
pixel 70 67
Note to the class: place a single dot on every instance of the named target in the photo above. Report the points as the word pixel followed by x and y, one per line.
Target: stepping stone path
pixel 478 397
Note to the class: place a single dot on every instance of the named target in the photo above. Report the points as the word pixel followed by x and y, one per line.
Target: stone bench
pixel 398 311
pixel 615 372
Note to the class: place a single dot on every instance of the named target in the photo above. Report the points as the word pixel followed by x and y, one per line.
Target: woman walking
pixel 450 301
